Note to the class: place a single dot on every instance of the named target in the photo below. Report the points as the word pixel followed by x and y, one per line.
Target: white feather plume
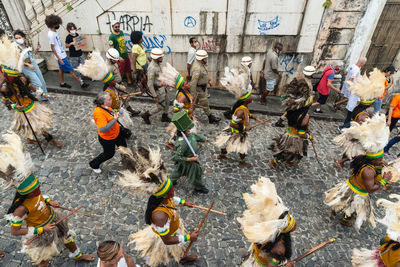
pixel 260 222
pixel 95 66
pixel 21 60
pixel 392 216
pixel 168 75
pixel 368 88
pixel 9 53
pixel 235 80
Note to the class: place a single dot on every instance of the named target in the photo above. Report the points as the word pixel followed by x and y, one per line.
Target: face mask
pixel 20 41
pixel 57 27
pixel 72 31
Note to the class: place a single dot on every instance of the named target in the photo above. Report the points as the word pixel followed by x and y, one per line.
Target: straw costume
pixel 183 99
pixel 235 138
pixel 388 254
pixel 187 164
pixel 352 197
pixel 163 239
pixel 291 146
pixel 96 67
pixel 367 89
pixel 17 95
pixel 266 223
pixel 29 205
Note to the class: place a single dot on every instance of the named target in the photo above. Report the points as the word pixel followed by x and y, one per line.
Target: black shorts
pixel 322 99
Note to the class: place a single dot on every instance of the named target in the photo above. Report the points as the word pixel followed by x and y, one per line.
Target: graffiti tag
pixel 130 23
pixel 289 62
pixel 189 22
pixel 149 43
pixel 210 45
pixel 266 25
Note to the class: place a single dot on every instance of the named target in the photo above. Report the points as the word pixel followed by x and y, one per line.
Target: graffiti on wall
pixel 130 23
pixel 265 25
pixel 210 45
pixel 189 22
pixel 157 41
pixel 289 62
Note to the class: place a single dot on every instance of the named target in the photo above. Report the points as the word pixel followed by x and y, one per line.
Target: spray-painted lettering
pixel 210 45
pixel 266 25
pixel 290 62
pixel 149 43
pixel 130 23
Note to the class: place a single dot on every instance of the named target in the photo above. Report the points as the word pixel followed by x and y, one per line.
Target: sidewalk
pixel 220 99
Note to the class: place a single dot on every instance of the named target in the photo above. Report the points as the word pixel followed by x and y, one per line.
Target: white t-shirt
pixel 352 72
pixel 191 55
pixel 352 103
pixel 55 40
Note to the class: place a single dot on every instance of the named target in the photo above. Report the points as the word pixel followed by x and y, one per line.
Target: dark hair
pixel 152 204
pixel 287 240
pixel 19 32
pixel 359 108
pixel 390 68
pixel 191 40
pixel 18 200
pixel 277 44
pixel 136 36
pixel 52 21
pixel 70 25
pixel 2 32
pixel 395 247
pixel 100 99
pixel 22 87
pixel 358 162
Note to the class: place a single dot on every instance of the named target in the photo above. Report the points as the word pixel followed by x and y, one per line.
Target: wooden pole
pixel 315 150
pixel 311 251
pixel 204 208
pixel 198 229
pixel 81 213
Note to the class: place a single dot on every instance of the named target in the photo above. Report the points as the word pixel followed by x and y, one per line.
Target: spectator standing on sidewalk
pixel 325 85
pixel 270 71
pixel 394 112
pixel 31 69
pixel 351 73
pixel 75 54
pixel 116 40
pixel 140 61
pixel 389 71
pixel 191 56
pixel 53 22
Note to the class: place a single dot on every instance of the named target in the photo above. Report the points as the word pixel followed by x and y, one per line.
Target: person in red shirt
pixel 325 85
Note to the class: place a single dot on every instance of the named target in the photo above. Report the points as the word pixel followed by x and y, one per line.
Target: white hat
pixel 201 54
pixel 112 53
pixel 113 22
pixel 309 70
pixel 156 53
pixel 246 61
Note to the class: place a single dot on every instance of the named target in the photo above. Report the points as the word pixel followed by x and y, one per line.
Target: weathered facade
pixel 228 29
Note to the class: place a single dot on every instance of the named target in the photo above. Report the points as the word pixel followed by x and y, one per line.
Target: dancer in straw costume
pixel 388 254
pixel 163 239
pixel 41 238
pixel 267 223
pixel 96 67
pixel 17 95
pixel 366 89
pixel 352 197
pixel 291 146
pixel 183 100
pixel 235 138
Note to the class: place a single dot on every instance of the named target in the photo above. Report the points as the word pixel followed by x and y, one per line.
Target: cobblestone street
pixel 65 176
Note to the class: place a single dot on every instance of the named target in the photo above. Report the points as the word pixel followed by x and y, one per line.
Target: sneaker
pixel 98 171
pixel 84 85
pixel 339 129
pixel 318 111
pixel 65 85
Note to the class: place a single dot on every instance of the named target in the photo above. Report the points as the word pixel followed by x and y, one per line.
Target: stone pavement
pixel 66 177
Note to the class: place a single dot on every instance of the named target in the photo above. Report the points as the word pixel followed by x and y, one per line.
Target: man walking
pixel 325 85
pixel 116 40
pixel 270 71
pixel 199 82
pixel 191 55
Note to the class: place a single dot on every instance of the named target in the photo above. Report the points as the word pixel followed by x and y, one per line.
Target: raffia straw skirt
pixel 48 244
pixel 238 142
pixel 153 249
pixel 39 117
pixel 289 149
pixel 366 258
pixel 342 199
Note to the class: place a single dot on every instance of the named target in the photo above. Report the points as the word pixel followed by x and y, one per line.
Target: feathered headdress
pixel 298 94
pixel 171 77
pixel 144 171
pixel 96 67
pixel 368 138
pixel 266 215
pixel 392 216
pixel 15 164
pixel 394 169
pixel 368 88
pixel 235 80
pixel 10 57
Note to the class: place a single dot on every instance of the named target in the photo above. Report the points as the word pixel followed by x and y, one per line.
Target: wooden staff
pixel 204 208
pixel 60 220
pixel 311 251
pixel 78 212
pixel 258 124
pixel 198 229
pixel 315 150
